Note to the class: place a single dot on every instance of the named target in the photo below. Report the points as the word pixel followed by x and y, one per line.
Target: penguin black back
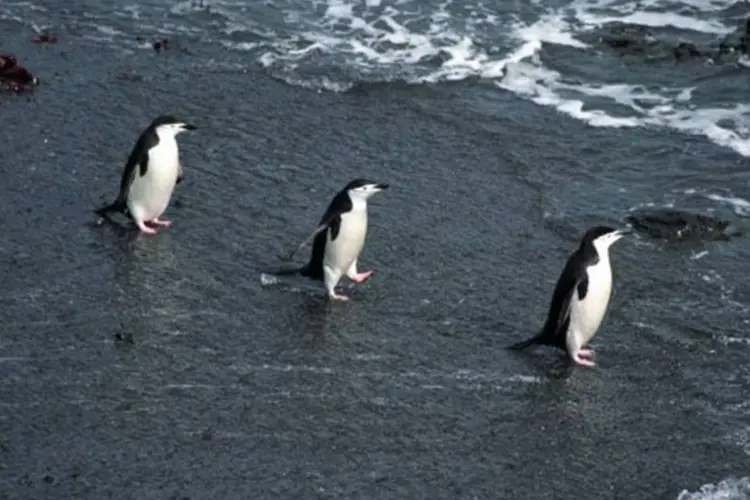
pixel 340 203
pixel 572 280
pixel 137 164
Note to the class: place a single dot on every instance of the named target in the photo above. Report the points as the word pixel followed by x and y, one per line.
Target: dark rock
pixel 7 61
pixel 124 337
pixel 160 45
pixel 638 41
pixel 678 225
pixel 20 75
pixel 686 50
pixel 164 44
pixel 129 75
pixel 739 41
pixel 628 38
pixel 45 37
pixel 13 77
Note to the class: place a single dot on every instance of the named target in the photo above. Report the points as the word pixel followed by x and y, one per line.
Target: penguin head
pixel 603 237
pixel 168 124
pixel 363 189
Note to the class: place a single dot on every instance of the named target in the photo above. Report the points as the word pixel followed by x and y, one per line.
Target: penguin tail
pixel 117 206
pixel 308 271
pixel 525 343
pixel 287 272
pixel 312 271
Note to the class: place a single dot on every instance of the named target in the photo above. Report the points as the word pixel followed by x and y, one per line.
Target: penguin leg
pixel 577 359
pixel 138 219
pixel 144 228
pixel 578 354
pixel 160 222
pixel 353 275
pixel 331 278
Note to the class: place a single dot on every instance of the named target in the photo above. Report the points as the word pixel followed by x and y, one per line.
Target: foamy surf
pixel 740 206
pixel 340 43
pixel 728 489
pixel 334 45
pixel 726 340
pixel 268 279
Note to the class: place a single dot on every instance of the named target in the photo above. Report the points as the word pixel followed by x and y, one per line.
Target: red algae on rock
pixel 45 37
pixel 13 77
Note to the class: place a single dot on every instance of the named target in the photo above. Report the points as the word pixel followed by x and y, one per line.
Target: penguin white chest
pixel 586 315
pixel 150 193
pixel 344 250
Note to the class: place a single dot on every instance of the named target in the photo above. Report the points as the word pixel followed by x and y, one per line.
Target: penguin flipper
pixel 289 255
pixel 322 227
pixel 138 159
pixel 331 218
pixel 137 164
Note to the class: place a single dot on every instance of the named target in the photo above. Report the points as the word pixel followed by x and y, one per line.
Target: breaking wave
pixel 728 489
pixel 335 44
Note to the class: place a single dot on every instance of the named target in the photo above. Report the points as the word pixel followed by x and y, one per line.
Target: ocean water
pixel 505 130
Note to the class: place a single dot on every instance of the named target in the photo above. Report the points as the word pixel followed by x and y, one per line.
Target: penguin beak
pixel 187 126
pixel 624 231
pixel 381 187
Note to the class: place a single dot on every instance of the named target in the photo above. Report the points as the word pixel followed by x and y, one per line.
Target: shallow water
pixel 236 389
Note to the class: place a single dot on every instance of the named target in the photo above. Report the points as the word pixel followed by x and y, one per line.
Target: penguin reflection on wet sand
pixel 150 175
pixel 581 296
pixel 339 238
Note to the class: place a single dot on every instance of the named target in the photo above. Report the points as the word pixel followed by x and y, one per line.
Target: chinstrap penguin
pixel 339 238
pixel 581 296
pixel 151 173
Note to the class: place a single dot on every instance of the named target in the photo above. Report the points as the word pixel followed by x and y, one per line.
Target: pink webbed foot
pixel 577 359
pixel 338 296
pixel 160 222
pixel 585 353
pixel 362 277
pixel 145 229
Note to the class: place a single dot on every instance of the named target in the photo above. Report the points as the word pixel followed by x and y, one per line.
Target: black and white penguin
pixel 151 173
pixel 581 296
pixel 339 238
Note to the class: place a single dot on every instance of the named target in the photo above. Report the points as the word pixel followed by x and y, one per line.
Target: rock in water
pixel 678 225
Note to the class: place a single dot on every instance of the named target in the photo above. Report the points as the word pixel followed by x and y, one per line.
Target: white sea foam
pixel 268 279
pixel 670 107
pixel 740 206
pixel 728 489
pixel 733 340
pixel 698 255
pixel 656 20
pixel 448 41
pixel 332 44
